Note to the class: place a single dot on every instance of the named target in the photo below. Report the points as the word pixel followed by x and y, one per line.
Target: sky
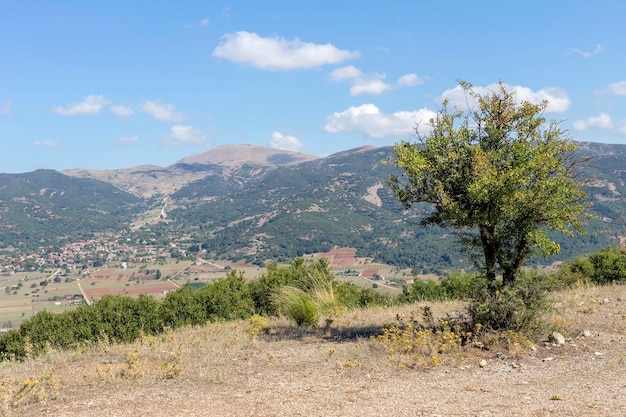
pixel 117 84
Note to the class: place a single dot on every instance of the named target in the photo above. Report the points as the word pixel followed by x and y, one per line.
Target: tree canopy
pixel 499 173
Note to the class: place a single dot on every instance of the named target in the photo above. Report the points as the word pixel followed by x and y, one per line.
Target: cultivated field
pixel 19 304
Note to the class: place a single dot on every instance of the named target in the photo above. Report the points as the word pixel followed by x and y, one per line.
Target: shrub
pixel 455 286
pixel 229 298
pixel 299 274
pixel 517 307
pixel 609 265
pixel 352 296
pixel 421 291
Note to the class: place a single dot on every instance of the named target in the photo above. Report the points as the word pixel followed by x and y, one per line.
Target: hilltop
pixel 220 370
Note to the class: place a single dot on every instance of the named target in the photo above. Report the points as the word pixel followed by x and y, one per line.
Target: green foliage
pixel 454 286
pixel 422 290
pixel 518 307
pixel 499 174
pixel 76 206
pixel 297 305
pixel 229 298
pixel 183 307
pixel 603 267
pixel 299 274
pixel 353 297
pixel 310 295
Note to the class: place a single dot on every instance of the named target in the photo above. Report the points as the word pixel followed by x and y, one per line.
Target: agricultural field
pixel 22 295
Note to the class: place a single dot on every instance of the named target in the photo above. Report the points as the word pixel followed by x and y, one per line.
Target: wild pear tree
pixel 498 173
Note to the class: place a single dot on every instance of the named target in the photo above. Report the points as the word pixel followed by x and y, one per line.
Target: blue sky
pixel 116 84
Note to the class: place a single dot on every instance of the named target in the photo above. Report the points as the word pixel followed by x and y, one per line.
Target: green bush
pixel 352 296
pixel 455 286
pixel 422 290
pixel 603 267
pixel 183 307
pixel 229 298
pixel 609 265
pixel 298 274
pixel 517 307
pixel 12 345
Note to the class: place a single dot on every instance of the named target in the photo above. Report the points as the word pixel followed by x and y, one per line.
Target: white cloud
pixel 204 22
pixel 92 104
pixel 48 143
pixel 278 53
pixel 127 140
pixel 409 80
pixel 618 88
pixel 622 129
pixel 361 83
pixel 285 142
pixel 558 100
pixel 370 83
pixel 602 121
pixel 184 135
pixel 122 111
pixel 368 120
pixel 345 73
pixel 586 54
pixel 160 111
pixel 6 108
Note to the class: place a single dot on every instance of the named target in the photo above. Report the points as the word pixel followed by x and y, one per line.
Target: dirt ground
pixel 218 370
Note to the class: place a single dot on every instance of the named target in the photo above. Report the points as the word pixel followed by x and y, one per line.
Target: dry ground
pixel 218 370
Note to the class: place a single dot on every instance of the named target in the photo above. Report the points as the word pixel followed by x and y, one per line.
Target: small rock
pixel 478 345
pixel 483 364
pixel 586 333
pixel 533 348
pixel 599 354
pixel 514 365
pixel 500 355
pixel 548 359
pixel 606 301
pixel 557 338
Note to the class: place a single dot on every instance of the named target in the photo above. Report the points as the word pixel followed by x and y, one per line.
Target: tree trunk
pixel 508 276
pixel 489 251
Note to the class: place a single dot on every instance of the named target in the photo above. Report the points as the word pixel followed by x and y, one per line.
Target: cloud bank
pixel 277 53
pixel 370 83
pixel 368 120
pixel 558 100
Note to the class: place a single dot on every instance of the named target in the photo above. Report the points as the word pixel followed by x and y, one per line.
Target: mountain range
pixel 245 202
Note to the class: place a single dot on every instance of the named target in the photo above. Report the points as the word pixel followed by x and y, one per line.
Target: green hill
pixel 44 205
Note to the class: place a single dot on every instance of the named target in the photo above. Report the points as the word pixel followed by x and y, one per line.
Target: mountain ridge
pixel 258 210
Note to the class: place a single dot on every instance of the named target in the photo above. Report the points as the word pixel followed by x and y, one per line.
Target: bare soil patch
pixel 220 370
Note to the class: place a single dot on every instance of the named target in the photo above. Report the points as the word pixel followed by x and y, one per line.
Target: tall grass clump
pixel 297 305
pixel 306 303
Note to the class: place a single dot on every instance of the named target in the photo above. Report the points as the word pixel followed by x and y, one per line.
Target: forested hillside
pixel 44 205
pixel 342 200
